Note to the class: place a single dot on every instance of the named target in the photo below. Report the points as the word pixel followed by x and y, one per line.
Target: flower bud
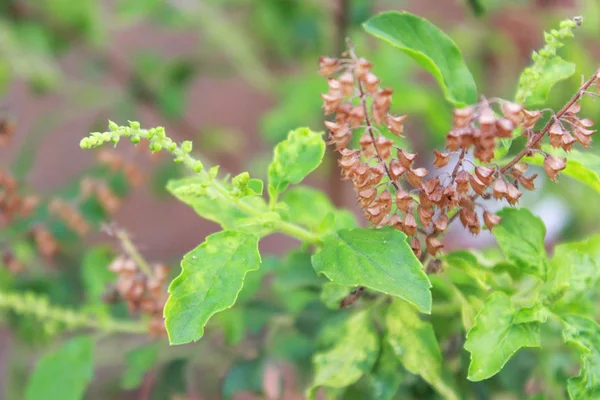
pixel 477 185
pixel 347 82
pixel 504 128
pixel 357 116
pixel 441 159
pixel 328 66
pixel 395 222
pixel 530 118
pixel 396 169
pixel 330 102
pixel 415 245
pixel 385 201
pixel 462 116
pixel 410 224
pixel 527 182
pixel 433 245
pixel 406 158
pixel 500 188
pixel 384 147
pixel 491 219
pixel 403 200
pixel 415 176
pixel 134 125
pixel 512 194
pixel 425 215
pixel 441 223
pixel 513 112
pixel 371 82
pixel 396 124
pixel 553 165
pixel 367 196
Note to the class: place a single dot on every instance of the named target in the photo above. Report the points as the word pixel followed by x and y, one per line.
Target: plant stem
pixel 133 253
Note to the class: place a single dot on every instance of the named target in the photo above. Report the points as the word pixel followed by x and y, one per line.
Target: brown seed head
pixel 441 159
pixel 328 65
pixel 553 165
pixel 491 219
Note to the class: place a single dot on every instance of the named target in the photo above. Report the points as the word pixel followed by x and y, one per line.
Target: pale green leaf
pixel 65 373
pixel 585 335
pixel 431 48
pixel 309 207
pixel 414 343
pixel 496 337
pixel 207 203
pixel 521 238
pixel 387 375
pixel 555 70
pixel 295 158
pixel 138 362
pixel 352 354
pixel 211 278
pixel 379 259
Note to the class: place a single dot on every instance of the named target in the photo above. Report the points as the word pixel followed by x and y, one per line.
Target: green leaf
pixel 574 271
pixel 585 335
pixel 496 337
pixel 555 70
pixel 310 207
pixel 520 235
pixel 295 158
pixel 65 373
pixel 212 276
pixel 352 354
pixel 209 204
pixel 379 259
pixel 138 362
pixel 414 343
pixel 431 48
pixel 583 167
pixel 387 375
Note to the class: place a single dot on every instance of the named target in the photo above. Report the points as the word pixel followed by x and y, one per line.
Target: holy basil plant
pixel 383 312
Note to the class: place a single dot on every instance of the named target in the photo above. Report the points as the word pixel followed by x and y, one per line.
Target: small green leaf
pixel 65 373
pixel 310 207
pixel 352 354
pixel 379 259
pixel 555 70
pixel 414 343
pixel 387 375
pixel 431 48
pixel 496 337
pixel 138 361
pixel 520 235
pixel 212 276
pixel 583 167
pixel 295 158
pixel 585 335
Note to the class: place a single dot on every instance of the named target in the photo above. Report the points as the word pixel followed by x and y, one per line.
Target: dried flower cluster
pixel 70 215
pixel 141 292
pixel 393 191
pixel 12 202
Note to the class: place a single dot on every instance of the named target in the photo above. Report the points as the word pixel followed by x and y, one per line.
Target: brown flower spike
pixel 394 191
